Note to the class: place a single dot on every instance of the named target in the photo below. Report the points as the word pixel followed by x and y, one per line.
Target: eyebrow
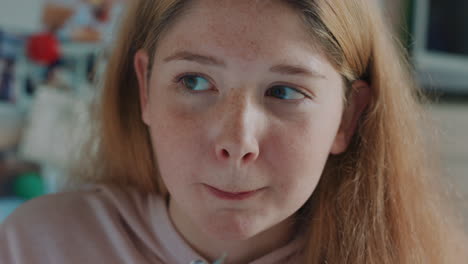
pixel 284 69
pixel 201 59
pixel 296 70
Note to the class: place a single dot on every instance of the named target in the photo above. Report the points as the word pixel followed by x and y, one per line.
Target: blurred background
pixel 53 51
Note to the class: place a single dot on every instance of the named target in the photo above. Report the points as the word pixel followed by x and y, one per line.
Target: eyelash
pixel 178 79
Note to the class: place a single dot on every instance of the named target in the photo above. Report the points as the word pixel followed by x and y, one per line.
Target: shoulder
pixel 63 223
pixel 41 225
pixel 52 206
pixel 94 202
pixel 92 211
pixel 54 212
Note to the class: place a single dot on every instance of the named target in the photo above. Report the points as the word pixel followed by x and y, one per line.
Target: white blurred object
pixel 56 128
pixel 54 178
pixel 11 125
pixel 55 131
pixel 21 15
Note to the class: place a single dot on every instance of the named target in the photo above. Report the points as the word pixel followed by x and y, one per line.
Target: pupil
pixel 191 82
pixel 279 92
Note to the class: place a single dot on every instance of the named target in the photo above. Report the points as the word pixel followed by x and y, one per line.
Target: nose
pixel 237 138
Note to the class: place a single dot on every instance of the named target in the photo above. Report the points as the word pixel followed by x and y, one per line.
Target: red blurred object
pixel 102 13
pixel 43 48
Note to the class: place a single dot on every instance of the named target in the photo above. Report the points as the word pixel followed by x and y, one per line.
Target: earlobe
pixel 358 102
pixel 141 62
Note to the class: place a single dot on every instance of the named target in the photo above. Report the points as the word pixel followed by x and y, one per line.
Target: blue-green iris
pixel 196 83
pixel 285 92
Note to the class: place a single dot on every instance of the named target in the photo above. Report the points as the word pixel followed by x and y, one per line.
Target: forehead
pixel 244 29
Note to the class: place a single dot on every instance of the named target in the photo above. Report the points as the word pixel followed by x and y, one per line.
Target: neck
pixel 237 251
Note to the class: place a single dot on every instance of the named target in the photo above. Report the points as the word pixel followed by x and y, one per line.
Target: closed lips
pixel 232 195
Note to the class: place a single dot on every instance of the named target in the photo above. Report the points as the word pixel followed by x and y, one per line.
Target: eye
pixel 195 82
pixel 285 93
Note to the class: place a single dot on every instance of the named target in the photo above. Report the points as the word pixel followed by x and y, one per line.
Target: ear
pixel 141 63
pixel 358 101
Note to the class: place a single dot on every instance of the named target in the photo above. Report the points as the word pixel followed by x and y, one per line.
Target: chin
pixel 232 228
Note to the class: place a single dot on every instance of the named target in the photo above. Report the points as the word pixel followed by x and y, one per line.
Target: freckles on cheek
pixel 296 160
pixel 178 132
pixel 289 152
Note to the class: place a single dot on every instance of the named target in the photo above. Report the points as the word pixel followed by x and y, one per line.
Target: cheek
pixel 299 154
pixel 297 168
pixel 177 142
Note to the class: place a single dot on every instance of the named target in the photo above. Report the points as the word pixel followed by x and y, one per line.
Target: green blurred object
pixel 28 186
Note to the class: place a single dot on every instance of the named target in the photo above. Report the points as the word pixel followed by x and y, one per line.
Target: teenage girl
pixel 243 131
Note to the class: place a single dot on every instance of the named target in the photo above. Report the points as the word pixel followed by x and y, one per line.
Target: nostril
pixel 225 154
pixel 249 157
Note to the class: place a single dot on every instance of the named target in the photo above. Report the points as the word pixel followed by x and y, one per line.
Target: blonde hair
pixel 375 203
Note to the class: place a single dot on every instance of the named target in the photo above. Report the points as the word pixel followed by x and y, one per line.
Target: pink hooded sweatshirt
pixel 103 225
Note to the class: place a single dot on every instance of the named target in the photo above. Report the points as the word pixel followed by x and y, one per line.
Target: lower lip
pixel 231 196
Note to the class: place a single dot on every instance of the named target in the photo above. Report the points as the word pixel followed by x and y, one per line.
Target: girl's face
pixel 243 112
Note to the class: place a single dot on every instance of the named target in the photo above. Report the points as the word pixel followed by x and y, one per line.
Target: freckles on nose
pixel 237 104
pixel 236 137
